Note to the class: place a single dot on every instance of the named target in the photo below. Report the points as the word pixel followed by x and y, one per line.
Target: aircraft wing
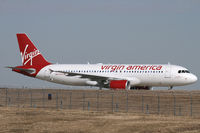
pixel 91 77
pixel 98 78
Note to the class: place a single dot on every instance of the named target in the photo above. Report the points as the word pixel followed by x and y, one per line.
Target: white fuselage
pixel 138 75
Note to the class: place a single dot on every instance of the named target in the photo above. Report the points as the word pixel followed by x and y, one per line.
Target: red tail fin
pixel 31 56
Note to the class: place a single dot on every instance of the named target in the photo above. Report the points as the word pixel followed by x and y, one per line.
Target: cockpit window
pixel 186 71
pixel 183 71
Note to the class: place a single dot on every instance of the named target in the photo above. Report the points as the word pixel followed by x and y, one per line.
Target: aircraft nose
pixel 193 78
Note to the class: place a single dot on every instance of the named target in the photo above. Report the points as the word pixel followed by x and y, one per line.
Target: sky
pixel 100 31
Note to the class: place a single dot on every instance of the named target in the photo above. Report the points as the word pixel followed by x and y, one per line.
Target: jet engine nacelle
pixel 119 84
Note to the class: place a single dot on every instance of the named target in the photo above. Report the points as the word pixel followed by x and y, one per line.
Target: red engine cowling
pixel 119 84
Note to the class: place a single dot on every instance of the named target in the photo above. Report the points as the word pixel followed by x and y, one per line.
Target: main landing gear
pixel 170 87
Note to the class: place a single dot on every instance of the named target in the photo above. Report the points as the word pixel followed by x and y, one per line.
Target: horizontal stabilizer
pixel 29 70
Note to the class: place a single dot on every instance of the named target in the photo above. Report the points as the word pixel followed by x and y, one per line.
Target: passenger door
pixel 168 71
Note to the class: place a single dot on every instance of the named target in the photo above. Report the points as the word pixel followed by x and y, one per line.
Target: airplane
pixel 110 76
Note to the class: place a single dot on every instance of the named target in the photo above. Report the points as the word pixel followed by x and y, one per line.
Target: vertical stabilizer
pixel 31 57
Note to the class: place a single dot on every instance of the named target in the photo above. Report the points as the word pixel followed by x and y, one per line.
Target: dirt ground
pixel 37 120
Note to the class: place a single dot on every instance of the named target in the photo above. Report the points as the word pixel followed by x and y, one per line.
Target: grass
pixel 38 120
